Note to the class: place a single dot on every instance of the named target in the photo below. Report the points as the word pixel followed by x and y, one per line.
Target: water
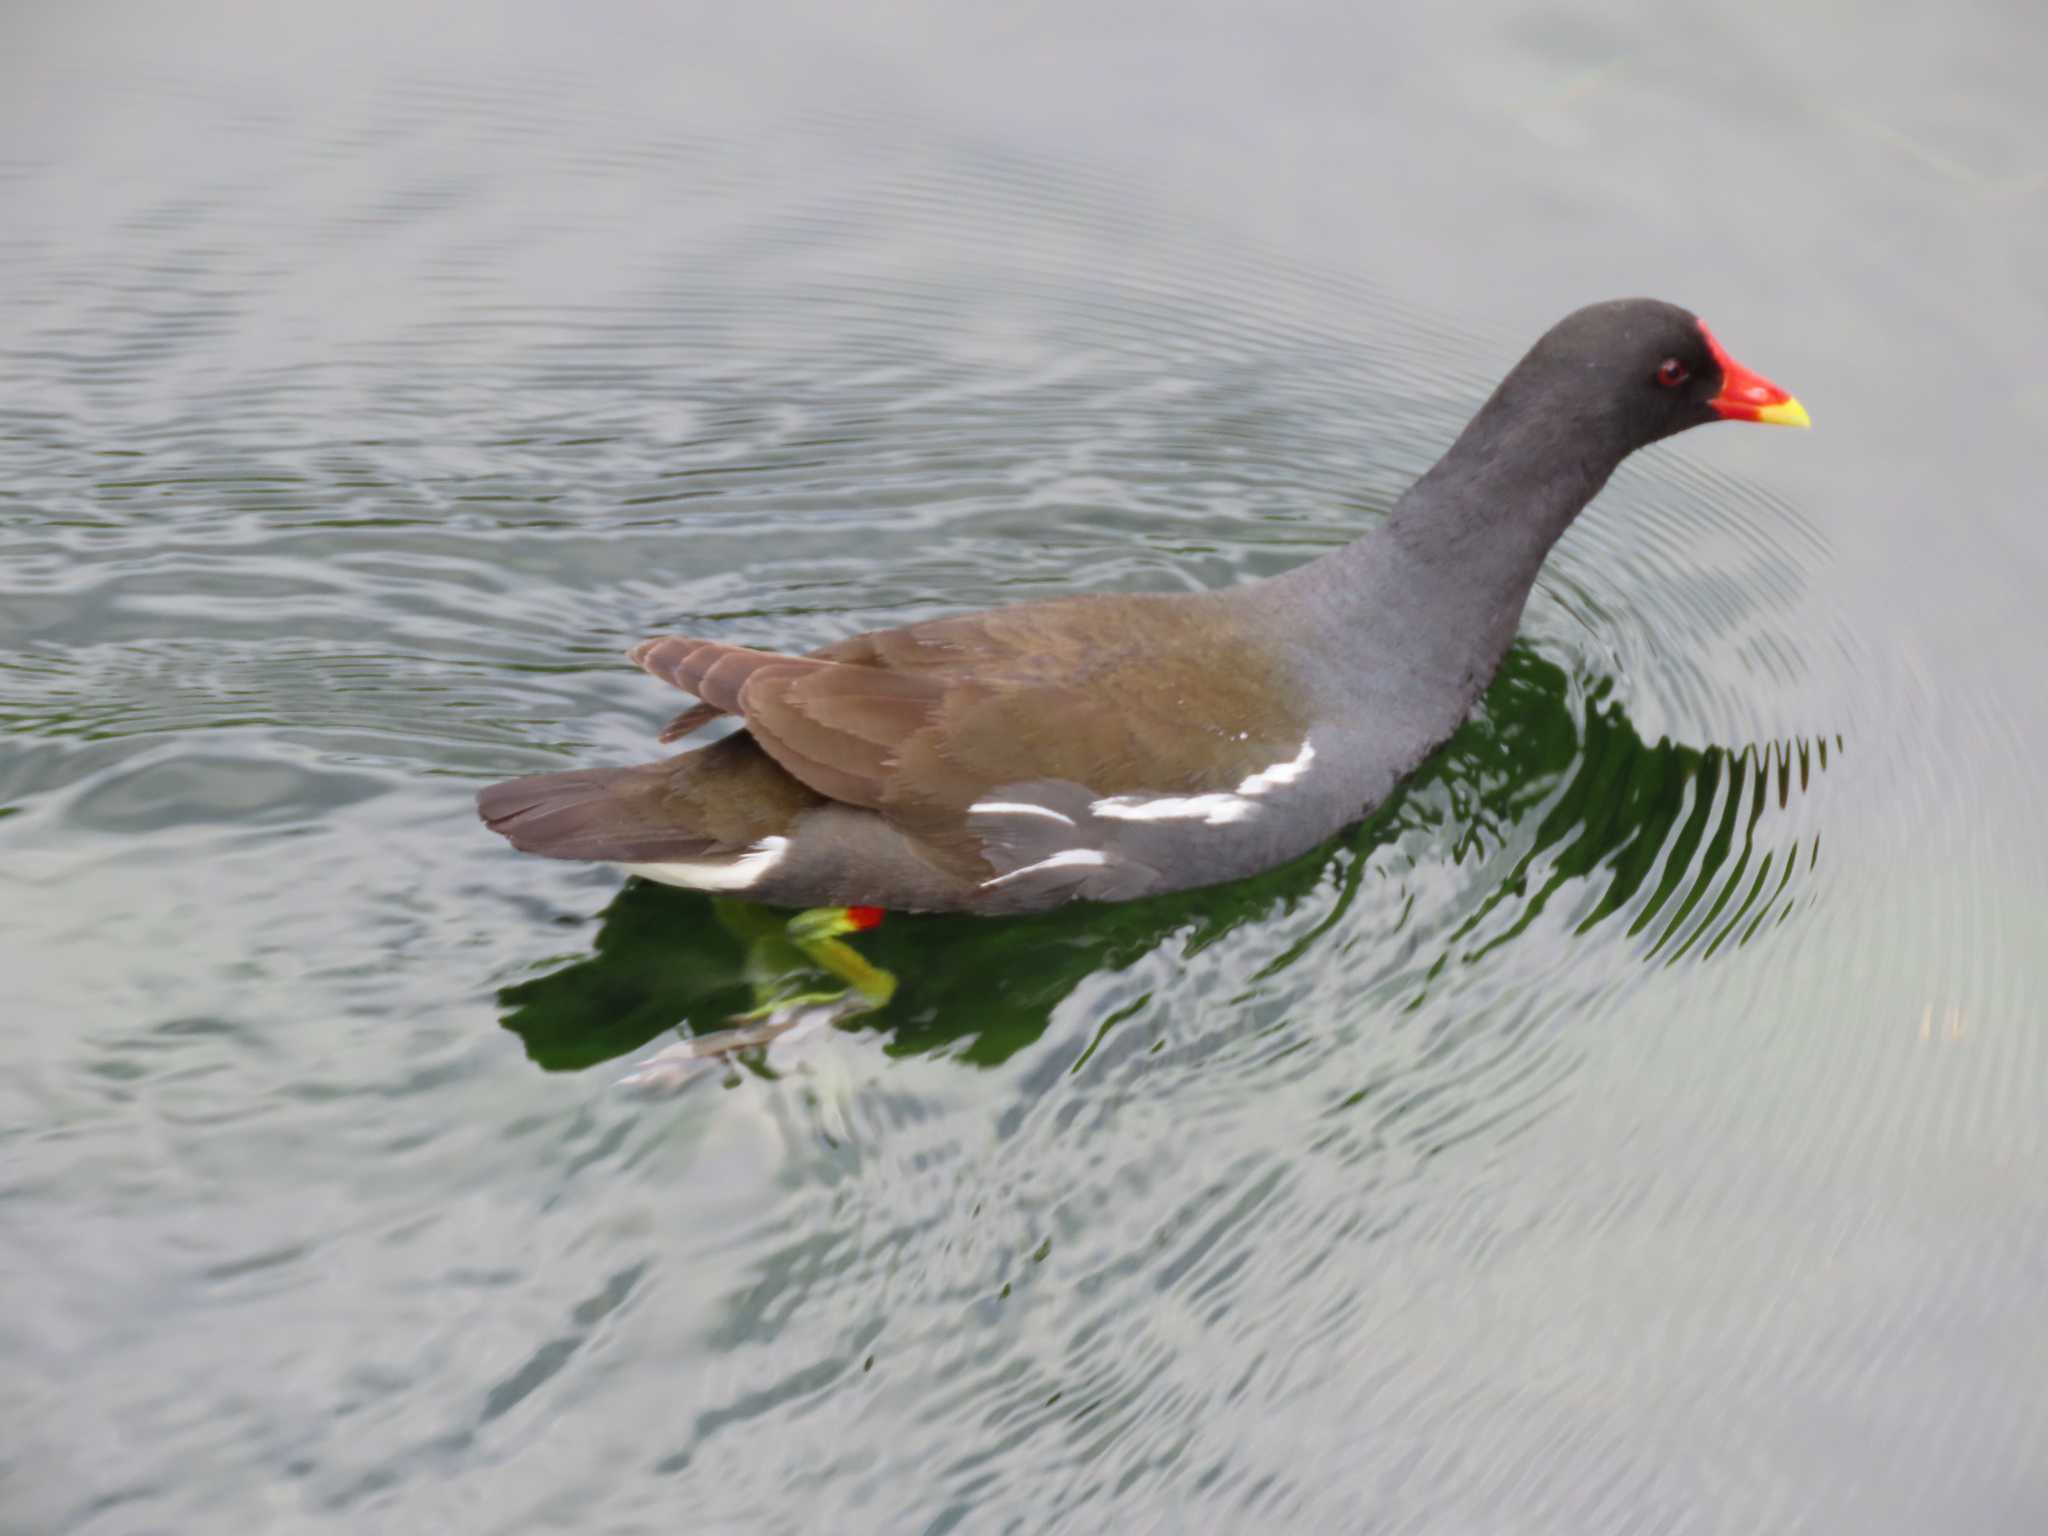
pixel 1635 1126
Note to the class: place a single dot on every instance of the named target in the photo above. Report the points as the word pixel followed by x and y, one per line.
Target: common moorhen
pixel 1110 747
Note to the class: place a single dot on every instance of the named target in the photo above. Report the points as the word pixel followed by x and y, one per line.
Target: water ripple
pixel 1441 1176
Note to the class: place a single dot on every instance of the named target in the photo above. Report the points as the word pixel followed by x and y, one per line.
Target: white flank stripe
pixel 1214 810
pixel 1015 808
pixel 733 874
pixel 1279 773
pixel 1061 860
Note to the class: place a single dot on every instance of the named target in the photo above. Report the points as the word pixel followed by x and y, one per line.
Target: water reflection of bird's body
pixel 1671 836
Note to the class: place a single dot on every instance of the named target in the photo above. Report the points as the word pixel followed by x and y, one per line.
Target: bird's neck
pixel 1475 530
pixel 1438 589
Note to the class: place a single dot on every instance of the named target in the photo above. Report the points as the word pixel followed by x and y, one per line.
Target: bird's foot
pixel 817 935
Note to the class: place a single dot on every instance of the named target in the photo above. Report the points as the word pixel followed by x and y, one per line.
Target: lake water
pixel 1637 1126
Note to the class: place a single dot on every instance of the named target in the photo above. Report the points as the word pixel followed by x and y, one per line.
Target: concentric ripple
pixel 1530 1157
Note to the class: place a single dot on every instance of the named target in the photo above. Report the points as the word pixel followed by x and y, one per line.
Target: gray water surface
pixel 1635 1127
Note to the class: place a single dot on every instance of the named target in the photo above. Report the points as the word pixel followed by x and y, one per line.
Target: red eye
pixel 1671 373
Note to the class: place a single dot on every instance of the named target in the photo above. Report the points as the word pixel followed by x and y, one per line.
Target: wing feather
pixel 1140 695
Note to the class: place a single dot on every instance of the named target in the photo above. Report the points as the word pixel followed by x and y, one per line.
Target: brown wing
pixel 713 669
pixel 1158 695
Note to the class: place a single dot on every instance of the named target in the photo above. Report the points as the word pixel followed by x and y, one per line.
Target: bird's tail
pixel 590 813
pixel 719 799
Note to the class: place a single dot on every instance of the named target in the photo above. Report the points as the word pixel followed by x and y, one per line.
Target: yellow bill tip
pixel 1786 413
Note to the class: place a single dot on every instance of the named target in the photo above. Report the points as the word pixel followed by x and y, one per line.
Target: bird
pixel 1109 747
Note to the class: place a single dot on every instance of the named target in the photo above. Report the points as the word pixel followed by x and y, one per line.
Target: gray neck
pixel 1433 596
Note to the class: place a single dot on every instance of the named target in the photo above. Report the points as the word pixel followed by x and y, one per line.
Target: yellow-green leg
pixel 780 959
pixel 819 936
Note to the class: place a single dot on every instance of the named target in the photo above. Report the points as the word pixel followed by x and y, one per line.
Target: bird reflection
pixel 1660 837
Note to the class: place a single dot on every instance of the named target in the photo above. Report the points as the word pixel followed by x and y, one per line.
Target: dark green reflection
pixel 1664 833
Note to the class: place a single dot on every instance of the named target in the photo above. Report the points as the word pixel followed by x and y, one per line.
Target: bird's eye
pixel 1671 373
